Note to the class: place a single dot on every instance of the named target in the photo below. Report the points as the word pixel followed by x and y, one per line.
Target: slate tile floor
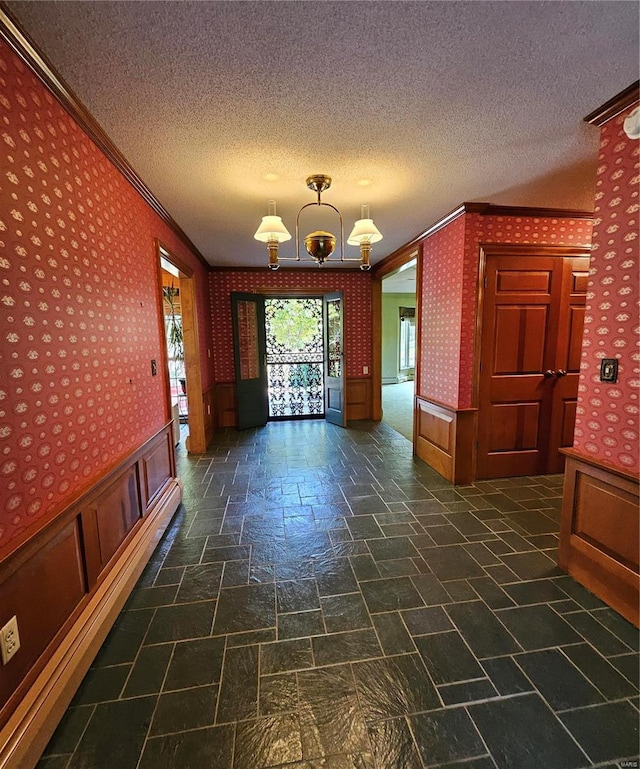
pixel 324 601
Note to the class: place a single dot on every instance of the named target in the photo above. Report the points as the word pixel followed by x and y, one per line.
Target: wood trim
pixel 417 372
pixel 225 404
pixel 490 209
pixel 394 261
pixel 24 47
pixel 444 438
pixel 615 105
pixel 599 542
pixel 621 472
pixel 26 733
pixel 358 398
pixel 376 353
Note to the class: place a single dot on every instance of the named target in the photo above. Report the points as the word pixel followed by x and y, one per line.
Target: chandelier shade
pixel 321 244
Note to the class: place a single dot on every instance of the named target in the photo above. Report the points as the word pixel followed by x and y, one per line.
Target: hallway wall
pixel 79 309
pixel 357 289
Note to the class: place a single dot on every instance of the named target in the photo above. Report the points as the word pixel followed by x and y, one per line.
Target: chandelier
pixel 320 245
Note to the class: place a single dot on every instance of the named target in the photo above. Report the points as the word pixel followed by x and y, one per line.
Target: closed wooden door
pixel 334 400
pixel 249 342
pixel 532 323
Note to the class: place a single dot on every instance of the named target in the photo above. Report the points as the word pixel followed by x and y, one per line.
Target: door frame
pixel 196 442
pixel 487 250
pixel 386 268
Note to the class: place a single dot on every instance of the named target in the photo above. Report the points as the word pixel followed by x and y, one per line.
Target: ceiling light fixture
pixel 320 245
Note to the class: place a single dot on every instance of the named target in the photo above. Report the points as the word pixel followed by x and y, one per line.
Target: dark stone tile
pixel 363 527
pixel 393 744
pixel 251 637
pixel 335 576
pixel 538 591
pixel 184 709
pixel 282 656
pixel 452 562
pixel 579 594
pixel 268 742
pixel 150 597
pixel 493 595
pixel 301 624
pixel 330 717
pixel 460 590
pixel 537 627
pixel 447 495
pixel 180 622
pixel 149 669
pixel 394 686
pixel 506 676
pixel 481 553
pixel 522 732
pixel 628 665
pixel 606 731
pixel 345 647
pixel 446 535
pixel 364 567
pixel 115 735
pixel 533 565
pixel 195 663
pixel 392 633
pixel 345 612
pixel 619 626
pixel 185 552
pixel 479 627
pixel 516 542
pixel 54 762
pixel 601 674
pixel 125 638
pixel 558 681
pixel 235 573
pixel 500 502
pixel 229 553
pixel 68 732
pixel 467 523
pixel 212 747
pixel 239 686
pixel 426 620
pixel 200 583
pixel 447 658
pixel 430 589
pixel 391 548
pixel 446 736
pixel 250 607
pixel 171 576
pixel 297 595
pixel 101 685
pixel 390 594
pixel 597 635
pixel 399 567
pixel 278 694
pixel 469 691
pixel 534 522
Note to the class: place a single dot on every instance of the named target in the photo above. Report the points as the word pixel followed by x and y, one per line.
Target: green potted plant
pixel 175 336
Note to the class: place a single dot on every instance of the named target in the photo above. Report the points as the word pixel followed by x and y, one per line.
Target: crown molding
pixel 25 48
pixel 614 106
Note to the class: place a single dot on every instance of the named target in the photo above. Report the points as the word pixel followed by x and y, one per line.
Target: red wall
pixel 449 292
pixel 607 419
pixel 79 316
pixel 357 310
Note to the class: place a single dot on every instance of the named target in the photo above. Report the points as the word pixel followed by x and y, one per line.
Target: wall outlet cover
pixel 9 640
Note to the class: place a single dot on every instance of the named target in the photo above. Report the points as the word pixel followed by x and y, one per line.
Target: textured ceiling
pixel 412 107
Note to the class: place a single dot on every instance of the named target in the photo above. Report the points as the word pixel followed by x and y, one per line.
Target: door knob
pixel 548 374
pixel 561 372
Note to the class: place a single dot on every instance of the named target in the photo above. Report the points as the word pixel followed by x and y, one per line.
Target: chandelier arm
pixel 328 205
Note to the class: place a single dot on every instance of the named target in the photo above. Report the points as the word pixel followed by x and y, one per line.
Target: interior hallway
pixel 321 593
pixel 397 407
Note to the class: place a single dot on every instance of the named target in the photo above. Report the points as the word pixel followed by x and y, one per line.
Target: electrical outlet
pixel 9 640
pixel 365 369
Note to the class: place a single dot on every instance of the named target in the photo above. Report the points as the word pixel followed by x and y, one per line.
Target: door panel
pixel 334 400
pixel 249 347
pixel 531 342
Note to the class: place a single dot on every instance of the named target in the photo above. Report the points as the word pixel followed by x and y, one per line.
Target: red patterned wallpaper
pixel 357 308
pixel 441 312
pixel 449 292
pixel 607 420
pixel 79 320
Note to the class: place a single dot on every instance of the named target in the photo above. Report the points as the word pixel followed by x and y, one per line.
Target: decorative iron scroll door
pixel 334 400
pixel 295 357
pixel 249 347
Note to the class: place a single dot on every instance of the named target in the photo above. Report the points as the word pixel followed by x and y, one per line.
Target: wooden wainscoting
pixel 444 438
pixel 599 537
pixel 209 412
pixel 358 396
pixel 225 405
pixel 66 585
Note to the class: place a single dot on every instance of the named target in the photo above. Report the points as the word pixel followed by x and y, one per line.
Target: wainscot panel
pixel 599 536
pixel 358 394
pixel 445 438
pixel 225 398
pixel 66 586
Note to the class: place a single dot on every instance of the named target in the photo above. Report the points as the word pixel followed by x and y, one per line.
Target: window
pixel 407 338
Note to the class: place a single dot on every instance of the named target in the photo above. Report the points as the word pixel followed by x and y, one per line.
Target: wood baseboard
pixel 599 532
pixel 444 438
pixel 26 733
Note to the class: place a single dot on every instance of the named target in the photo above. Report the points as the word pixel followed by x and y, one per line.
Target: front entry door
pixel 530 358
pixel 334 400
pixel 247 311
